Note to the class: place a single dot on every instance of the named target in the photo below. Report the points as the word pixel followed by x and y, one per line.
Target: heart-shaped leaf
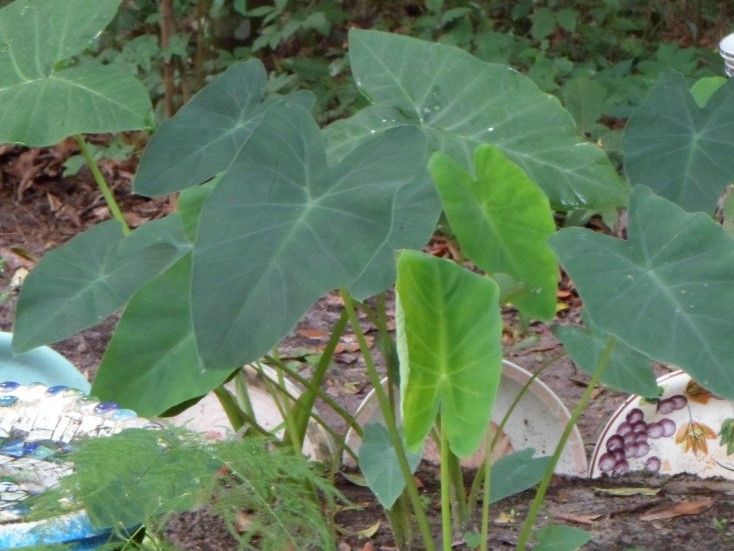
pixel 628 371
pixel 157 326
pixel 205 136
pixel 462 102
pixel 379 464
pixel 448 331
pixel 80 283
pixel 666 292
pixel 42 104
pixel 558 537
pixel 503 221
pixel 283 227
pixel 516 473
pixel 682 152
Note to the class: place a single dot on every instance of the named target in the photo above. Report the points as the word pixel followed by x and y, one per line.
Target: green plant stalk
pixel 479 477
pixel 457 481
pixel 446 527
pixel 102 184
pixel 236 416
pixel 484 530
pixel 388 414
pixel 305 403
pixel 601 367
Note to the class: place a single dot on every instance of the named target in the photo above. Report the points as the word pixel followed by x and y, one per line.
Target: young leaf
pixel 157 326
pixel 42 103
pixel 683 152
pixel 448 331
pixel 516 473
pixel 284 228
pixel 462 102
pixel 666 291
pixel 379 464
pixel 561 538
pixel 503 221
pixel 80 283
pixel 628 371
pixel 205 136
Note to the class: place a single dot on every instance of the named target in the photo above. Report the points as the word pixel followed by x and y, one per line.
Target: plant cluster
pixel 275 211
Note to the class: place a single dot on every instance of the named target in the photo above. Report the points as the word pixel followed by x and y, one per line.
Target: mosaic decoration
pixel 39 426
pixel 687 430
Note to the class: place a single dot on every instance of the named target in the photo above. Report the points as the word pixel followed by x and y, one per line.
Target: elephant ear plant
pixel 274 212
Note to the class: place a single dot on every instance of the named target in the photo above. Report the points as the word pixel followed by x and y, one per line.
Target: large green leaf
pixel 205 136
pixel 559 537
pixel 378 461
pixel 503 221
pixel 43 101
pixel 462 102
pixel 628 371
pixel 283 227
pixel 448 331
pixel 80 283
pixel 683 152
pixel 667 291
pixel 157 326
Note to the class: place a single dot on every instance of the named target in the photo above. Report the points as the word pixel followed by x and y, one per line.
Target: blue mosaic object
pixel 38 428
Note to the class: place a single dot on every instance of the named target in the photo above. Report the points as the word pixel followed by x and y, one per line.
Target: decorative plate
pixel 38 427
pixel 536 422
pixel 40 365
pixel 688 430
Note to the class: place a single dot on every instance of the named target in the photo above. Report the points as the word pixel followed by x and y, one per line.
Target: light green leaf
pixel 462 102
pixel 283 227
pixel 666 292
pixel 43 102
pixel 628 371
pixel 157 326
pixel 561 538
pixel 205 136
pixel 80 283
pixel 190 202
pixel 379 464
pixel 680 151
pixel 448 331
pixel 705 87
pixel 502 221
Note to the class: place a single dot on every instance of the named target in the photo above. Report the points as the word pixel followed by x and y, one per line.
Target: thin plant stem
pixel 446 529
pixel 484 530
pixel 102 184
pixel 388 414
pixel 479 477
pixel 166 31
pixel 583 402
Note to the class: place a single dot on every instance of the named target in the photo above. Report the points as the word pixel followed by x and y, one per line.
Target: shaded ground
pixel 40 211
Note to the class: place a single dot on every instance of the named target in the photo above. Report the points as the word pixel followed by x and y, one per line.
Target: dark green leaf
pixel 516 473
pixel 561 538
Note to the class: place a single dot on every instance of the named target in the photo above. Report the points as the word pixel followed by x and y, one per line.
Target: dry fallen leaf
pixel 586 520
pixel 679 509
pixel 312 333
pixel 627 491
pixel 369 546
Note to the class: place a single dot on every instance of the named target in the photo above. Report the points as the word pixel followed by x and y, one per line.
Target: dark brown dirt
pixel 39 213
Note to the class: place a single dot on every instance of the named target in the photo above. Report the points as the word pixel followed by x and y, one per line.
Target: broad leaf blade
pixel 503 221
pixel 462 102
pixel 205 136
pixel 516 473
pixel 666 291
pixel 628 371
pixel 80 283
pixel 448 331
pixel 561 538
pixel 157 326
pixel 683 152
pixel 42 105
pixel 379 464
pixel 286 228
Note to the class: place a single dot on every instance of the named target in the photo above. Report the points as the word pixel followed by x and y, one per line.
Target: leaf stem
pixel 102 184
pixel 583 402
pixel 446 529
pixel 388 414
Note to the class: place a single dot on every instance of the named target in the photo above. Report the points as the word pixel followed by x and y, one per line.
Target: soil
pixel 40 209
